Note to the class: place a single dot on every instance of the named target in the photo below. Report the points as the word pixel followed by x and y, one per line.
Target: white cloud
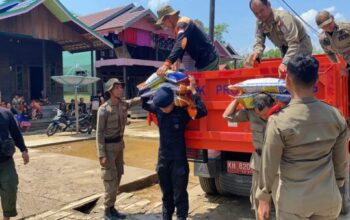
pixel 339 17
pixel 330 9
pixel 281 8
pixel 309 17
pixel 155 4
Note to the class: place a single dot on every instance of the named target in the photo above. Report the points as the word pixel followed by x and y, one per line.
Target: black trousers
pixel 173 181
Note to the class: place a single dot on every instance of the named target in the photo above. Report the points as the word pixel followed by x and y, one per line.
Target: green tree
pixel 219 31
pixel 272 53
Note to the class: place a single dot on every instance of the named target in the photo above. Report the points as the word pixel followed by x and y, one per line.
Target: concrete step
pixel 137 112
pixel 39 124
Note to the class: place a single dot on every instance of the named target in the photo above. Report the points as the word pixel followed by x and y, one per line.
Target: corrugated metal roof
pixel 94 18
pixel 117 18
pixel 122 20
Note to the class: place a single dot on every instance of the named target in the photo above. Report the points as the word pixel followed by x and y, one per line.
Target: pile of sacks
pixel 176 81
pixel 247 89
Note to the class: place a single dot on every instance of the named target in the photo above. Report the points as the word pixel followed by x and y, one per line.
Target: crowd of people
pixel 19 106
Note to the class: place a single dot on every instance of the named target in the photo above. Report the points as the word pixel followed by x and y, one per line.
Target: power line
pixel 296 14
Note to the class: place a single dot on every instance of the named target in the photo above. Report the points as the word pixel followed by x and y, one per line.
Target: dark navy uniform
pixel 191 39
pixel 172 168
pixel 9 137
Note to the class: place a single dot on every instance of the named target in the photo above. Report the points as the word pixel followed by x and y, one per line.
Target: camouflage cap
pixel 110 83
pixel 323 18
pixel 164 11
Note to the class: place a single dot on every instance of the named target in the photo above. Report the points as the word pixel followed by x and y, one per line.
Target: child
pixel 172 168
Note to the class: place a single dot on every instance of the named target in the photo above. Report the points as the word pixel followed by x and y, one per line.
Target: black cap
pixel 163 97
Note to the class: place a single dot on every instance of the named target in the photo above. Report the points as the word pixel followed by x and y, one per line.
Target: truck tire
pixel 236 184
pixel 208 185
pixel 219 187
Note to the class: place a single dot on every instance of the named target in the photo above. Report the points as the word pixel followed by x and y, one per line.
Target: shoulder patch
pixel 343 35
pixel 326 42
pixel 282 26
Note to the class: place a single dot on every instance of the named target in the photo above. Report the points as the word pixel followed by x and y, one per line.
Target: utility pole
pixel 212 20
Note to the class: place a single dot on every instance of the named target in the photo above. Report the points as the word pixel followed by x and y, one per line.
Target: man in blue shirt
pixel 172 168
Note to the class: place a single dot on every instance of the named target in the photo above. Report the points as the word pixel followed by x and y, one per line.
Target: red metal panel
pixel 213 132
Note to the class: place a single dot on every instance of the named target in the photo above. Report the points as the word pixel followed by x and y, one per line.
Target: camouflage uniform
pixel 286 32
pixel 337 43
pixel 111 121
pixel 306 142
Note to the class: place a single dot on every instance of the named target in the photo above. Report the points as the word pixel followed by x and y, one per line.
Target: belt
pixel 258 151
pixel 113 139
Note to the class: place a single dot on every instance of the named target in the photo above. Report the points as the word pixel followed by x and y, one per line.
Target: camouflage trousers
pixel 112 173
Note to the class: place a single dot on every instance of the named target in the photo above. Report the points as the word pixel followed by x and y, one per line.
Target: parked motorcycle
pixel 63 122
pixel 85 125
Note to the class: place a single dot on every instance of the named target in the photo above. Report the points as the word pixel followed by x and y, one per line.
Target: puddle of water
pixel 138 152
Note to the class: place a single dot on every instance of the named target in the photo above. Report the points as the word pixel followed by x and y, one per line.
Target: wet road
pixel 146 204
pixel 138 152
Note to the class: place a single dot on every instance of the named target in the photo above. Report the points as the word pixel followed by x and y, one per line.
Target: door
pixel 36 82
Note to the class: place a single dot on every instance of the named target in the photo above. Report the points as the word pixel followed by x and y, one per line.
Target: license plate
pixel 239 167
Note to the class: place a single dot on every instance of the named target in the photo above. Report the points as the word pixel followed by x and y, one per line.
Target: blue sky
pixel 235 13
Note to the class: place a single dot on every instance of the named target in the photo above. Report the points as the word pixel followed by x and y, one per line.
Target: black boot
pixel 117 214
pixel 181 218
pixel 164 217
pixel 108 215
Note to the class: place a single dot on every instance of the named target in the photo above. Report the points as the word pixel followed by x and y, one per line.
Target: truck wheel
pixel 208 185
pixel 219 187
pixel 236 184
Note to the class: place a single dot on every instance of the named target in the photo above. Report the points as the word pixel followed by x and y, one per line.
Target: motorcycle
pixel 64 123
pixel 85 125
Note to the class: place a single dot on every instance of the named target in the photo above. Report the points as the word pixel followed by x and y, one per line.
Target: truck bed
pixel 215 133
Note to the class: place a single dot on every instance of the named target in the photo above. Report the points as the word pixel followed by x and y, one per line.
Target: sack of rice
pixel 246 100
pixel 270 85
pixel 151 82
pixel 151 91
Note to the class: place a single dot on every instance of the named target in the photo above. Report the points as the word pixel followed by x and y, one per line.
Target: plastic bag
pixel 270 85
pixel 151 82
pixel 176 77
pixel 151 91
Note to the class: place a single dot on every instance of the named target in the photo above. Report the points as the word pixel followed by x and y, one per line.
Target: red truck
pixel 221 150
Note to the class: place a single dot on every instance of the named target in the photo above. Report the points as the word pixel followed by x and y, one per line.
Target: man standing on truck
pixel 111 120
pixel 335 37
pixel 284 30
pixel 189 38
pixel 307 143
pixel 257 118
pixel 172 167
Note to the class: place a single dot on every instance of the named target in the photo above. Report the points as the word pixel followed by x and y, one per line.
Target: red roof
pixel 92 19
pixel 121 21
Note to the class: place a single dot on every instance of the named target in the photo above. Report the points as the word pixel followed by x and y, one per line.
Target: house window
pixel 19 78
pixel 102 54
pixel 111 53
